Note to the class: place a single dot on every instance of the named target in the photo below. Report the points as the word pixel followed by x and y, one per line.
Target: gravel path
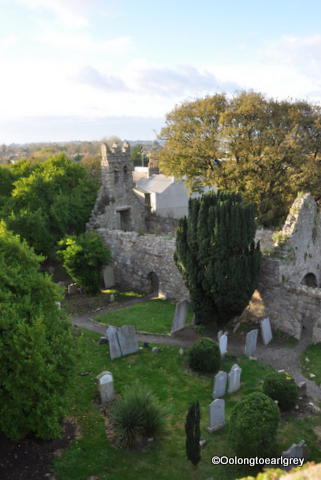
pixel 280 357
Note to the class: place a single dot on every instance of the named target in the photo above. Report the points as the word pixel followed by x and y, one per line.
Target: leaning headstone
pixel 106 387
pixel 234 379
pixel 216 415
pixel 180 316
pixel 297 450
pixel 250 342
pixel 127 339
pixel 220 381
pixel 114 346
pixel 223 344
pixel 266 331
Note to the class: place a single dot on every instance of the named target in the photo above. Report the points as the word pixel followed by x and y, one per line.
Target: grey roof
pixel 156 183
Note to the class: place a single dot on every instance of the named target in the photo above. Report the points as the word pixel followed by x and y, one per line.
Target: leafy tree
pixel 36 345
pixel 217 256
pixel 49 199
pixel 192 430
pixel 83 258
pixel 267 150
pixel 138 157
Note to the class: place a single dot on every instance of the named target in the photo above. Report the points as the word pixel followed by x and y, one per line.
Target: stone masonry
pixel 140 260
pixel 117 206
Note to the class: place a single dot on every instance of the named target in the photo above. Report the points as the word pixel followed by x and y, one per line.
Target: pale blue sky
pixel 84 69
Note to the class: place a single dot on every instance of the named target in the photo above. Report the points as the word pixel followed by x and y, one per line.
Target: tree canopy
pixel 265 149
pixel 36 345
pixel 216 254
pixel 45 200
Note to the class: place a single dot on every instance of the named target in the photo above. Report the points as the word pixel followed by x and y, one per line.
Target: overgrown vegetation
pixel 217 257
pixel 36 347
pixel 83 257
pixel 193 434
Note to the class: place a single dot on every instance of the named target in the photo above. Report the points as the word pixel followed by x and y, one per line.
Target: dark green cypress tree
pixel 216 253
pixel 192 430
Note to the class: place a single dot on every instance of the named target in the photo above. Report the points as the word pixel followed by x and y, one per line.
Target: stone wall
pixel 289 288
pixel 139 259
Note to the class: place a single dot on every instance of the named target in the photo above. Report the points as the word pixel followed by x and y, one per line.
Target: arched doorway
pixel 310 280
pixel 154 283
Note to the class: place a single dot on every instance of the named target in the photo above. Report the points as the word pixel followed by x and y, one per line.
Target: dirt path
pixel 280 357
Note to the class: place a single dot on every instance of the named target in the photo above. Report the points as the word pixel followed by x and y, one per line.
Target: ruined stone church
pixel 143 246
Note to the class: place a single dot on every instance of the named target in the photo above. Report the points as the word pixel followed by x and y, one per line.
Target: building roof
pixel 154 184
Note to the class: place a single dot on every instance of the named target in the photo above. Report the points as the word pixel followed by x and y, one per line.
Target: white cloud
pixel 91 76
pixel 74 13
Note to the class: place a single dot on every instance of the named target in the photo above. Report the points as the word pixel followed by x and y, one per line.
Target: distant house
pixel 165 196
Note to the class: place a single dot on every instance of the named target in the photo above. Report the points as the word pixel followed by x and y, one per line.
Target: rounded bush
pixel 136 416
pixel 253 425
pixel 281 386
pixel 205 356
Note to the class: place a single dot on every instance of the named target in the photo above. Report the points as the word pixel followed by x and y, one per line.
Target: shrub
pixel 192 430
pixel 205 356
pixel 83 258
pixel 137 415
pixel 281 386
pixel 36 345
pixel 253 425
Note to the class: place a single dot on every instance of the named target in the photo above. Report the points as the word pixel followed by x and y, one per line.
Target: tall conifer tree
pixel 216 253
pixel 192 430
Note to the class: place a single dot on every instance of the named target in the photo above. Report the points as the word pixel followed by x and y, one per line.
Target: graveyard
pixel 166 372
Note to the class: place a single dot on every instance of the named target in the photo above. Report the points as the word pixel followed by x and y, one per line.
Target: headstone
pixel 155 350
pixel 114 346
pixel 219 334
pixel 234 379
pixel 216 415
pixel 108 275
pixel 223 344
pixel 297 450
pixel 180 316
pixel 266 331
pixel 106 387
pixel 127 339
pixel 111 297
pixel 181 351
pixel 72 289
pixel 250 342
pixel 220 381
pixel 58 305
pixel 102 340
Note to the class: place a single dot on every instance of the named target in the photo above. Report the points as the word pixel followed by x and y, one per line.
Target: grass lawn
pixel 85 303
pixel 311 362
pixel 176 386
pixel 154 316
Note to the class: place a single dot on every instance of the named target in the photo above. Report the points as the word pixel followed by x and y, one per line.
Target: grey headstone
pixel 220 381
pixel 108 275
pixel 180 316
pixel 127 340
pixel 266 331
pixel 181 351
pixel 114 346
pixel 58 305
pixel 216 415
pixel 219 334
pixel 234 379
pixel 155 350
pixel 297 450
pixel 106 387
pixel 250 342
pixel 223 344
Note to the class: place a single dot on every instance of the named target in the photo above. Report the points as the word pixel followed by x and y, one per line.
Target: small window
pixel 116 176
pixel 125 172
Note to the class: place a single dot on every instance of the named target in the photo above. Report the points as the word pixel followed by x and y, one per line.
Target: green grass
pixel 313 354
pixel 154 316
pixel 168 377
